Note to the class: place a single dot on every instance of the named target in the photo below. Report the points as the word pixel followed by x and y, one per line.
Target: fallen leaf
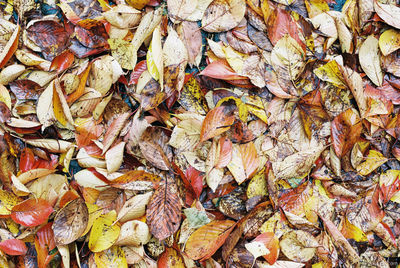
pixel 104 232
pixel 206 240
pixel 164 210
pixel 31 212
pixel 370 60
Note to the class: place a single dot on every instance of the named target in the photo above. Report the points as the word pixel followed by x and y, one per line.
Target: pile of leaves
pixel 199 133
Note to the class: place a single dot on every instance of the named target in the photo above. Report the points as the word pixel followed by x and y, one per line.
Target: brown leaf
pixel 164 210
pixel 346 129
pixel 70 222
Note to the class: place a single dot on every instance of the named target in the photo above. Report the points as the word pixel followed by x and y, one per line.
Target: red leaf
pixel 50 36
pixel 217 121
pixel 91 33
pixel 27 160
pixel 293 200
pixel 272 243
pixel 195 180
pixel 220 70
pixel 25 89
pixel 346 129
pixel 44 244
pixel 31 212
pixel 62 61
pixel 13 247
pixel 137 72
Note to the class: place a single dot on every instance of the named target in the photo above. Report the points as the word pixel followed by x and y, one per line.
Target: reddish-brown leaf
pixel 50 36
pixel 345 130
pixel 313 114
pixel 25 89
pixel 206 240
pixel 137 72
pixel 163 212
pixel 62 62
pixel 91 33
pixel 293 200
pixel 217 121
pixel 13 247
pixel 31 212
pixel 10 47
pixel 44 244
pixel 195 179
pixel 5 113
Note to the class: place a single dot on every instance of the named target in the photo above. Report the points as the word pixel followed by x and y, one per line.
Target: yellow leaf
pixel 154 57
pixel 58 109
pixel 234 58
pixel 192 98
pixel 257 185
pixel 389 41
pixel 5 96
pixel 104 232
pixel 94 213
pixel 350 231
pixel 331 73
pixel 374 160
pixel 113 257
pixel 122 51
pixel 7 201
pixel 316 7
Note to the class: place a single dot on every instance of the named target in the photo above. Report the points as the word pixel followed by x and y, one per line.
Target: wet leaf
pixel 31 212
pixel 70 222
pixel 206 240
pixel 164 210
pixel 370 61
pixel 104 232
pixel 13 247
pixel 217 121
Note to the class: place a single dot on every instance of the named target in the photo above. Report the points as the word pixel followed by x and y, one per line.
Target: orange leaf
pixel 62 61
pixel 225 152
pixel 31 212
pixel 272 243
pixel 206 240
pixel 170 258
pixel 135 180
pixel 10 47
pixel 217 121
pixel 44 244
pixel 82 84
pixel 113 131
pixel 87 130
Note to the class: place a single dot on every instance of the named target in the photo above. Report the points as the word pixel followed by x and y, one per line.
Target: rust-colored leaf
pixel 217 121
pixel 164 210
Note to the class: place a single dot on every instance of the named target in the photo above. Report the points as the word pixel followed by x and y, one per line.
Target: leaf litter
pixel 204 133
